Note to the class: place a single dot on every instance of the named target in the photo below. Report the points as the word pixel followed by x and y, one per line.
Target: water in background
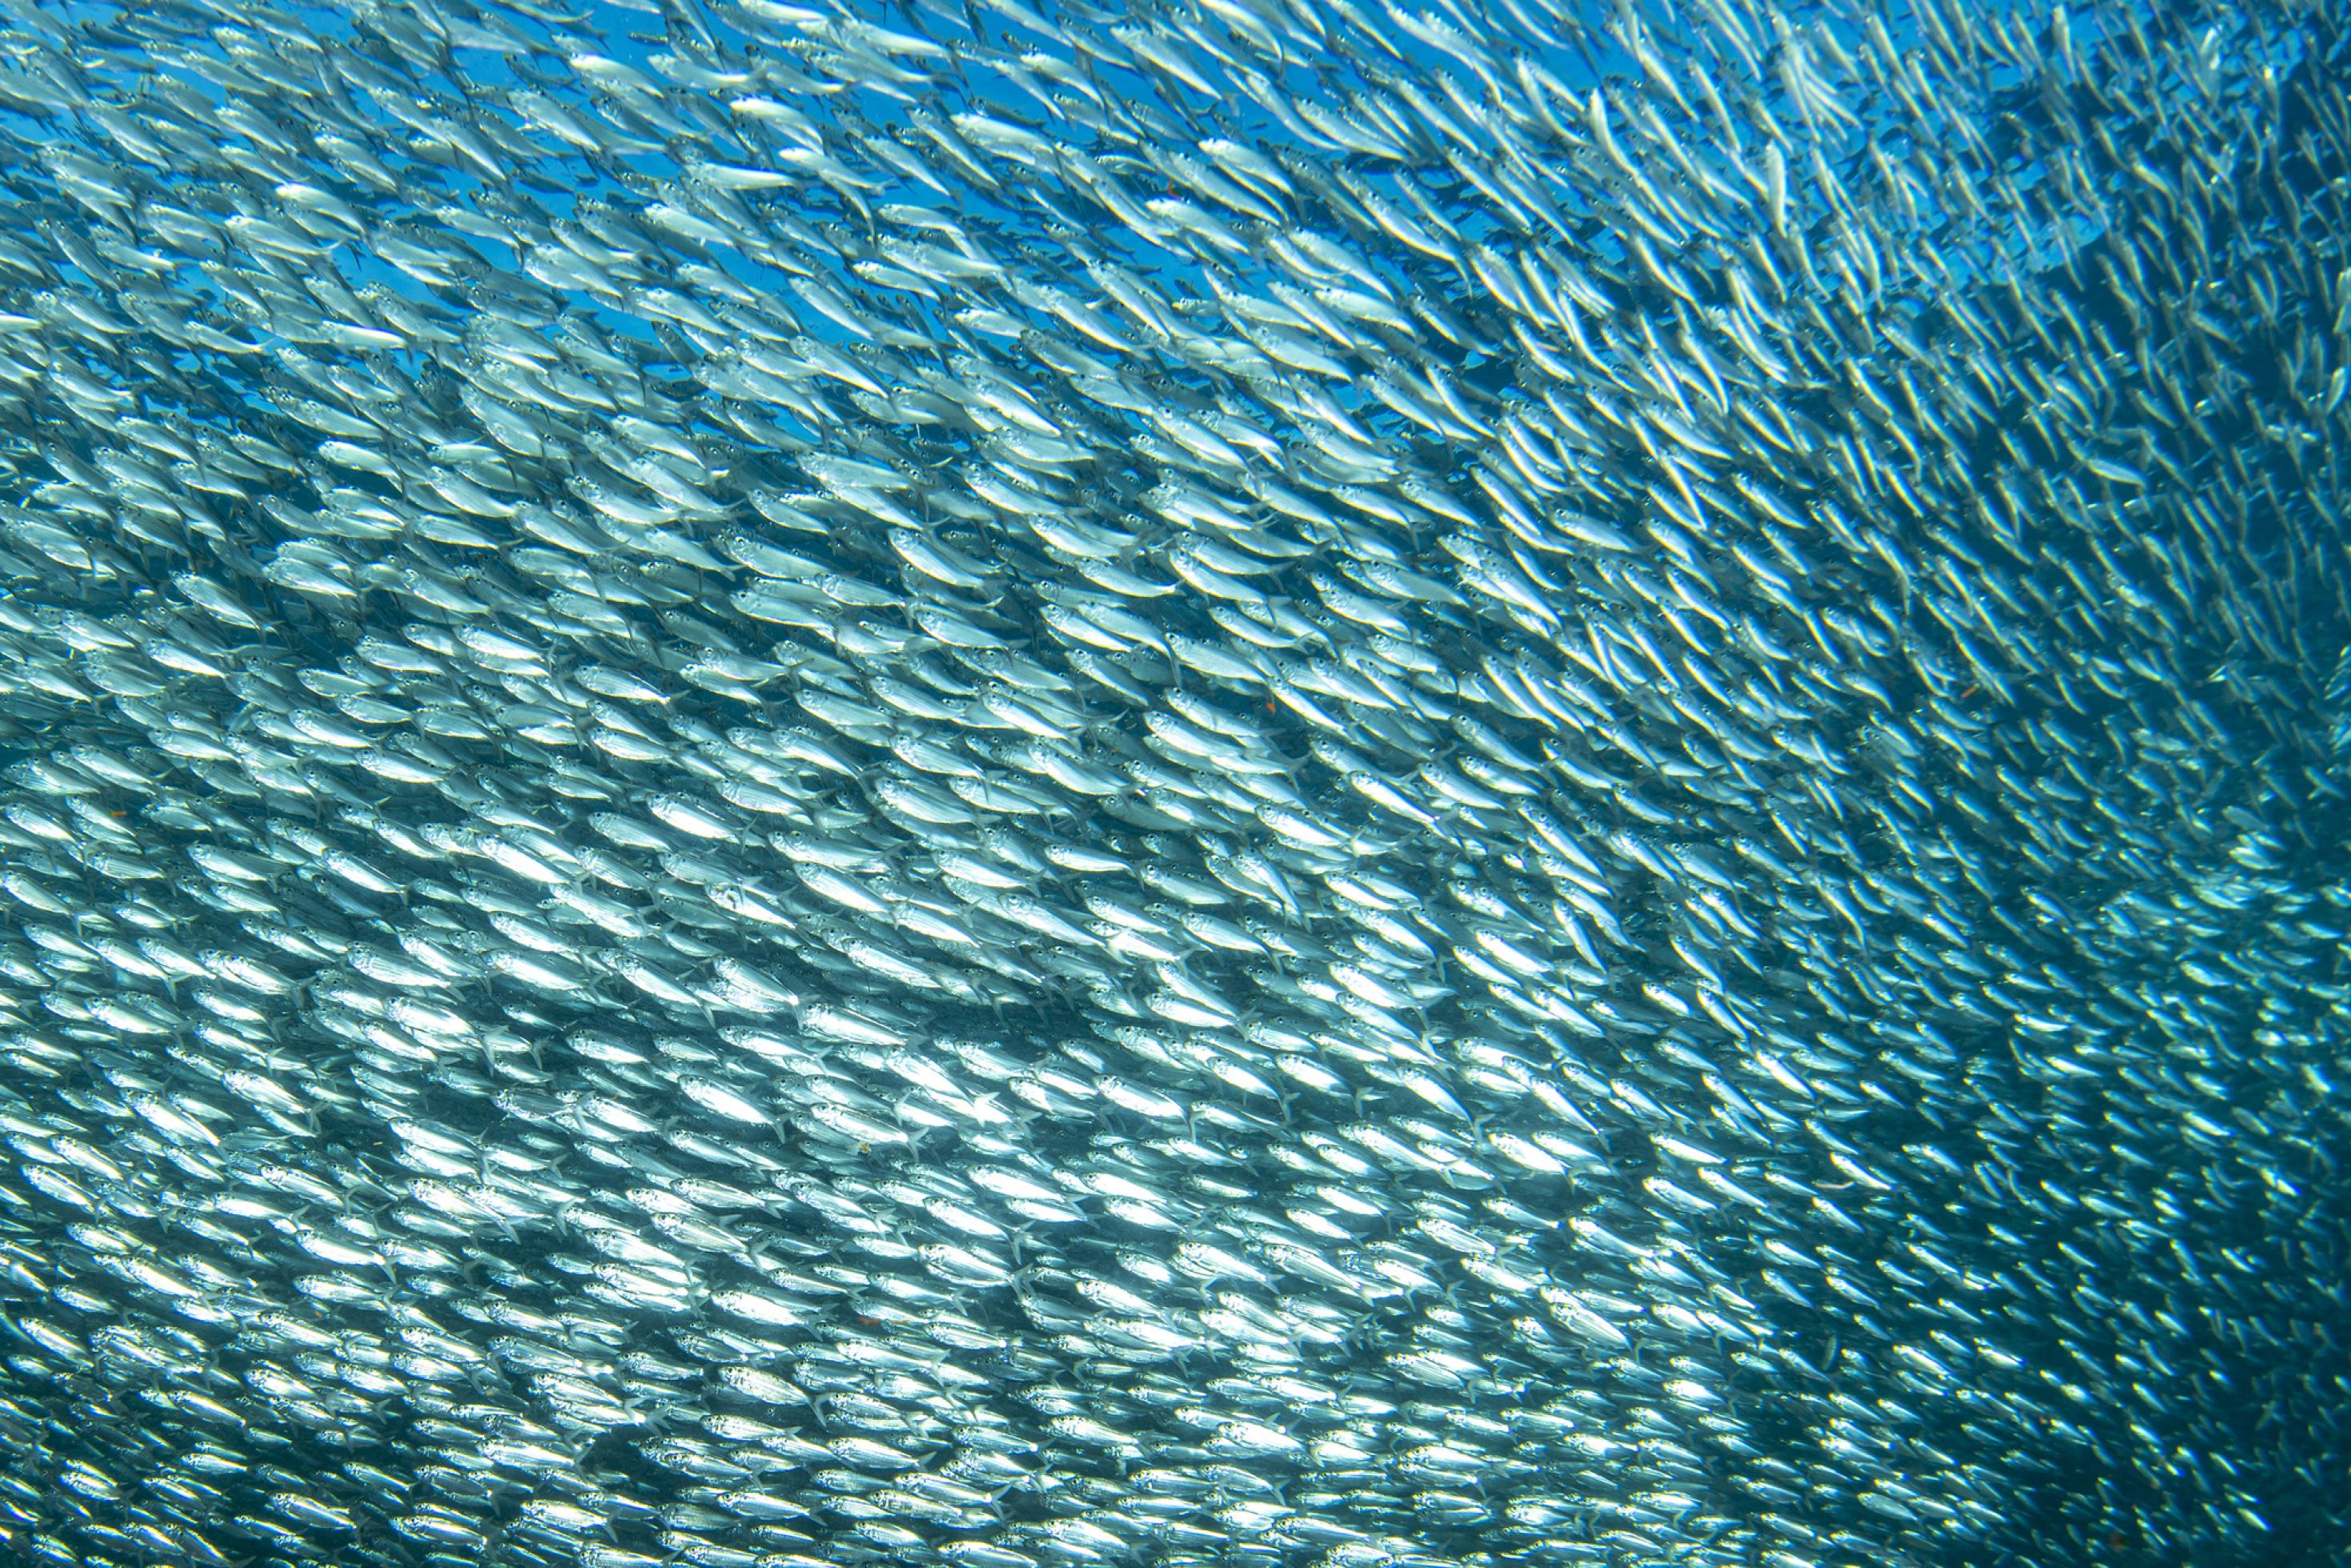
pixel 1236 781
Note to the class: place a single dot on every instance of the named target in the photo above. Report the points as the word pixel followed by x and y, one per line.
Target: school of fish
pixel 1218 781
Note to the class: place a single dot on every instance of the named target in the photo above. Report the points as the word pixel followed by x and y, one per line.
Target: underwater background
pixel 1224 781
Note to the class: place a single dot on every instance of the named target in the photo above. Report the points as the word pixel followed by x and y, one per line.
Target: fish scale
pixel 1596 818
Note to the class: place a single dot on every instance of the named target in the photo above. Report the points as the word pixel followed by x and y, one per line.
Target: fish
pixel 1196 782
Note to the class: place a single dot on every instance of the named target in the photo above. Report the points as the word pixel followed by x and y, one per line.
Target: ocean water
pixel 1236 781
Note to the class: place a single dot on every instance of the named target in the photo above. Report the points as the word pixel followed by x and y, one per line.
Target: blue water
pixel 1706 928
